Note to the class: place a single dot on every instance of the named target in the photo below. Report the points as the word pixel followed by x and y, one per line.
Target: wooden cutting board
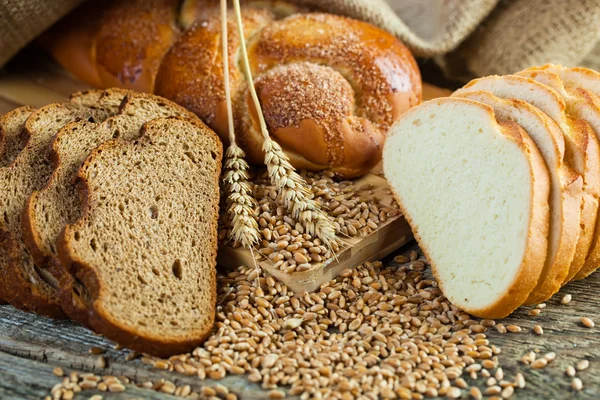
pixel 40 81
pixel 389 236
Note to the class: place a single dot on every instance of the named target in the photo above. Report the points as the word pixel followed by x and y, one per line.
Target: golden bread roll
pixel 330 86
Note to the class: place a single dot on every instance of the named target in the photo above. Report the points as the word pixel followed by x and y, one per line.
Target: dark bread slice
pixel 4 236
pixel 58 204
pixel 145 248
pixel 17 180
pixel 85 98
pixel 102 104
pixel 12 134
pixel 23 285
pixel 12 141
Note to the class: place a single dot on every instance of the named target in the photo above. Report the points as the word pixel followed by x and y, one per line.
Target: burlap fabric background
pixel 466 37
pixel 22 20
pixel 522 33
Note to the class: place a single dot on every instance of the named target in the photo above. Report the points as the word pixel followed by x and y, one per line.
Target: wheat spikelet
pixel 296 196
pixel 292 188
pixel 240 203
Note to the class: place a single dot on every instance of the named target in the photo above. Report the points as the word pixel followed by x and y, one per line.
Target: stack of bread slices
pixel 108 215
pixel 501 182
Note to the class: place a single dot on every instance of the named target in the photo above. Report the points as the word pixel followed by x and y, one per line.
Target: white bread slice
pixel 576 77
pixel 578 154
pixel 586 84
pixel 475 192
pixel 566 186
pixel 584 106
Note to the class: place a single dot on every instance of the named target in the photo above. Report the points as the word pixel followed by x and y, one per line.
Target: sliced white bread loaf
pixel 475 192
pixel 585 83
pixel 146 245
pixel 581 154
pixel 585 106
pixel 48 211
pixel 12 134
pixel 566 186
pixel 575 77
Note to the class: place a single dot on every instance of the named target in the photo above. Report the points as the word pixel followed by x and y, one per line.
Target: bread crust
pixel 21 291
pixel 97 317
pixel 39 297
pixel 535 251
pixel 137 45
pixel 590 103
pixel 67 285
pixel 6 158
pixel 589 207
pixel 197 63
pixel 585 84
pixel 583 109
pixel 5 146
pixel 580 154
pixel 288 48
pixel 71 42
pixel 570 186
pixel 576 77
pixel 30 288
pixel 106 102
pixel 31 235
pixel 590 259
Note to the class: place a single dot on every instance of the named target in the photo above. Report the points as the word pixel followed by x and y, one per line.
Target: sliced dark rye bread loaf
pixel 17 180
pixel 4 236
pixel 22 284
pixel 15 136
pixel 12 141
pixel 47 211
pixel 145 248
pixel 12 134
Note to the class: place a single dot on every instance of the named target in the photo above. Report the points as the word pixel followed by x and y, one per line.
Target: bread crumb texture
pixel 149 233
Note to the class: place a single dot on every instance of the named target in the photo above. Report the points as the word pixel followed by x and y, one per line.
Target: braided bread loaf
pixel 329 86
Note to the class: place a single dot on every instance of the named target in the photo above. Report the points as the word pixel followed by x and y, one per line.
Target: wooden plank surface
pixel 30 346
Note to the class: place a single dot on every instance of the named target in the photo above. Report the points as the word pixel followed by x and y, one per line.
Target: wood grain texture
pixel 26 337
pixel 26 379
pixel 31 346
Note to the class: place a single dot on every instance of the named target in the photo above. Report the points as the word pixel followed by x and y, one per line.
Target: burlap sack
pixel 522 33
pixel 593 59
pixel 22 20
pixel 428 28
pixel 466 37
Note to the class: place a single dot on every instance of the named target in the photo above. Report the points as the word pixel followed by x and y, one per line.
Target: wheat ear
pixel 240 203
pixel 297 198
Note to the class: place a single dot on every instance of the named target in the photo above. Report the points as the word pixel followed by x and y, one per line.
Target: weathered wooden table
pixel 31 346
